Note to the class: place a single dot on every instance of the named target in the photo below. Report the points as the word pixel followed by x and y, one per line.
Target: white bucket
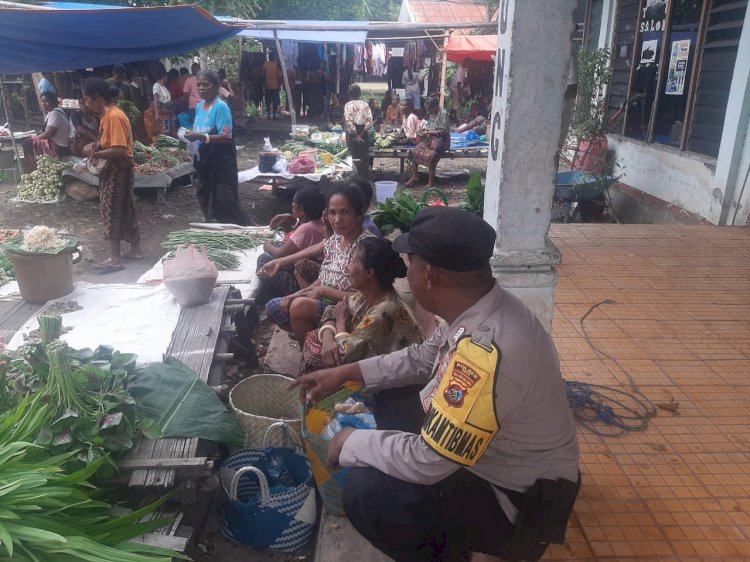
pixel 384 190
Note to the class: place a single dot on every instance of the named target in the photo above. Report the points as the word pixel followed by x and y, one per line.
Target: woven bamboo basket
pixel 262 400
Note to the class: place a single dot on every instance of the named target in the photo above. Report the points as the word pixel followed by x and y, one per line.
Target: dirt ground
pixel 181 208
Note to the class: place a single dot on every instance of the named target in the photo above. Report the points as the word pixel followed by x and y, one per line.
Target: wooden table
pixel 404 152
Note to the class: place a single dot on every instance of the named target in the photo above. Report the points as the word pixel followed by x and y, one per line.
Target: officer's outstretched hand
pixel 335 446
pixel 314 386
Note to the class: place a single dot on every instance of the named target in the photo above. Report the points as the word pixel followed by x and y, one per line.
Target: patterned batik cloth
pixel 117 201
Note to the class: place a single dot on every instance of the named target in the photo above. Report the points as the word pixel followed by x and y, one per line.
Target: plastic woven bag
pixel 317 428
pixel 190 276
pixel 255 511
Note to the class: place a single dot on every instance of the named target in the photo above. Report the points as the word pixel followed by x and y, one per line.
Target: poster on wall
pixel 678 63
pixel 648 51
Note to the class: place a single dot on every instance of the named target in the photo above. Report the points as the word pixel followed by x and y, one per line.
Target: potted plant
pixel 589 122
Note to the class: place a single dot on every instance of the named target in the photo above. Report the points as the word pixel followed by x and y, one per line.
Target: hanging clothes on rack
pixel 290 52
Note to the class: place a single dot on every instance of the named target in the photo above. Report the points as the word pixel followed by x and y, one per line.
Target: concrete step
pixel 339 542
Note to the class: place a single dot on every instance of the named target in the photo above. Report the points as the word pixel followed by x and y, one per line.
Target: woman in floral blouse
pixel 373 321
pixel 300 312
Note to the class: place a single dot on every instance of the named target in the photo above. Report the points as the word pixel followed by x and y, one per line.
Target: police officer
pixel 495 467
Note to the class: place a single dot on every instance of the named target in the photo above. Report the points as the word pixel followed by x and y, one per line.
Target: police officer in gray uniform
pixel 494 469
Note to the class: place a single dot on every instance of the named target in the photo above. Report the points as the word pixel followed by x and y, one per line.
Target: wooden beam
pixel 338 70
pixel 443 72
pixel 5 99
pixel 289 97
pixel 270 25
pixel 190 462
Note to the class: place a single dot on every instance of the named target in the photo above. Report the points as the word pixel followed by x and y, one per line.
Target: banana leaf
pixel 172 401
pixel 15 246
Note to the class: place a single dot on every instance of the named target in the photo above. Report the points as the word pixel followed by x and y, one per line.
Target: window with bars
pixel 673 62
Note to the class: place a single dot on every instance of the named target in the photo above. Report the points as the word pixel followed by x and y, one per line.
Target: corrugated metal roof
pixel 447 11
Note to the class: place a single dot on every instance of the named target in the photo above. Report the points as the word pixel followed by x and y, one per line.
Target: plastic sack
pixel 190 276
pixel 267 146
pixel 281 166
pixel 301 166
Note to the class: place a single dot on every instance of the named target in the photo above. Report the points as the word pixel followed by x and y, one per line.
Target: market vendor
pixel 84 128
pixel 272 79
pixel 315 252
pixel 433 140
pixel 54 140
pixel 119 79
pixel 306 229
pixel 216 161
pixel 46 84
pixel 300 312
pixel 479 123
pixel 373 321
pixel 116 197
pixel 162 103
pixel 410 121
pixel 191 96
pixel 393 114
pixel 358 120
pixel 336 111
pixel 494 469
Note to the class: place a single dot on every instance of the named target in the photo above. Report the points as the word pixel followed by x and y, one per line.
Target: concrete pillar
pixel 733 163
pixel 534 46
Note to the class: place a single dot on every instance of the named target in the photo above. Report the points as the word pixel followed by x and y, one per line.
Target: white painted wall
pixel 405 13
pixel 683 179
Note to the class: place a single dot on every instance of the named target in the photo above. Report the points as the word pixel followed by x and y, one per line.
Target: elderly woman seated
pixel 306 229
pixel 300 312
pixel 54 140
pixel 373 321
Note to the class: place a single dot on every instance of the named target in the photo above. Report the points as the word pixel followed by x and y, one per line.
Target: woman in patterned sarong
pixel 434 140
pixel 115 146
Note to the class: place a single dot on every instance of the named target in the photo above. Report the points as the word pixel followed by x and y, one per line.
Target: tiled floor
pixel 680 329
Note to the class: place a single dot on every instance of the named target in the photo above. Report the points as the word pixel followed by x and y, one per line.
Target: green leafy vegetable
pixel 172 401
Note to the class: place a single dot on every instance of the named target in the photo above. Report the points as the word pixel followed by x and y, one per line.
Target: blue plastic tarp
pixel 66 36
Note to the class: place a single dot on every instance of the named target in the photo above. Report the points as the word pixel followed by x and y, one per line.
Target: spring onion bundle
pixel 217 245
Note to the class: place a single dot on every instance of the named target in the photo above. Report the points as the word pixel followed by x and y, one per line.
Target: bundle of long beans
pixel 217 245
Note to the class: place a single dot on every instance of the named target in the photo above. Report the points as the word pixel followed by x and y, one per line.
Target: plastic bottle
pixel 277 470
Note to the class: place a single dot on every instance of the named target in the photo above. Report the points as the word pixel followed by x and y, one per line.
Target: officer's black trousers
pixel 415 523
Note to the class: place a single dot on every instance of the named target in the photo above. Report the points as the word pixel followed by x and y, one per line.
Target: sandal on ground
pixel 107 267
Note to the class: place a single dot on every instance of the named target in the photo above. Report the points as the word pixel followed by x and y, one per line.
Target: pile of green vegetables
pixel 130 110
pixel 62 415
pixel 163 155
pixel 43 184
pixel 337 150
pixel 218 246
pixel 7 271
pixel 91 414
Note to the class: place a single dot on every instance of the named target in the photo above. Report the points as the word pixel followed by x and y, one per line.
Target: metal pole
pixel 10 128
pixel 289 97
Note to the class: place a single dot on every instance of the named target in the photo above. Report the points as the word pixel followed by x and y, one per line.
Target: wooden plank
pixel 189 462
pixel 14 314
pixel 194 343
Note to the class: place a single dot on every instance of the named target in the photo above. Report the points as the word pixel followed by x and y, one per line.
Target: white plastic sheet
pixel 131 318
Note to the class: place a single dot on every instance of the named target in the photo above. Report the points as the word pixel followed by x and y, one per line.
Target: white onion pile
pixel 44 183
pixel 41 238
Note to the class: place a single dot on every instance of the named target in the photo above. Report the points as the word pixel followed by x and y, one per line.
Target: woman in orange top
pixel 117 202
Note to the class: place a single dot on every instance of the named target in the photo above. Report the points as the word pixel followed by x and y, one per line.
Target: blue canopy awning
pixel 66 36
